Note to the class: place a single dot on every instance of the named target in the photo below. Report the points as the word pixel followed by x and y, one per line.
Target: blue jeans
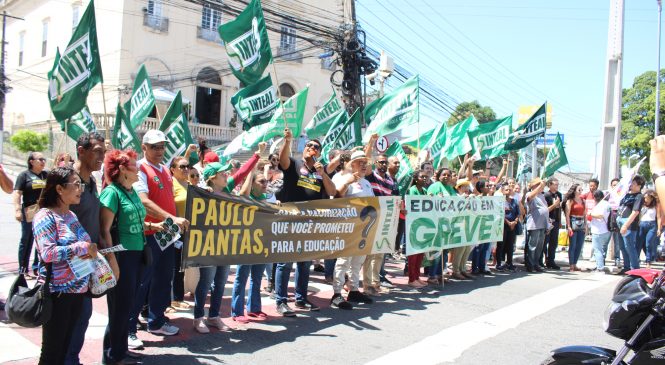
pixel 254 297
pixel 217 276
pixel 282 281
pixel 329 268
pixel 648 237
pixel 600 242
pixel 575 246
pixel 630 241
pixel 78 336
pixel 435 269
pixel 155 286
pixel 620 249
pixel 479 257
pixel 535 247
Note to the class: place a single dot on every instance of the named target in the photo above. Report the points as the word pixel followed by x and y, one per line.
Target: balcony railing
pixel 210 35
pixel 156 22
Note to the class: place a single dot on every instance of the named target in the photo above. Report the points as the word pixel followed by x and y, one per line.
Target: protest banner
pixel 435 223
pixel 386 233
pixel 230 230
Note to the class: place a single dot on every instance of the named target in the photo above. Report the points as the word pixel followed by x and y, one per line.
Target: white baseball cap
pixel 154 136
pixel 358 155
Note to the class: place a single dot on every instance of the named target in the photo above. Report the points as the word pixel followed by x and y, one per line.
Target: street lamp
pixel 634 156
pixel 657 114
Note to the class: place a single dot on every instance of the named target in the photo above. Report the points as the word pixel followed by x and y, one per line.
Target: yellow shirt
pixel 180 197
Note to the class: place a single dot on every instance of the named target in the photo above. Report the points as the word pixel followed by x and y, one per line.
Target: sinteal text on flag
pixel 324 117
pixel 529 131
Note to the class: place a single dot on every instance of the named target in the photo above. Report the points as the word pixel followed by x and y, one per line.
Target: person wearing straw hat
pixel 536 223
pixel 349 183
pixel 461 254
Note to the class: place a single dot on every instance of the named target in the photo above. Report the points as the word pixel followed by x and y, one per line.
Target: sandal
pixel 170 309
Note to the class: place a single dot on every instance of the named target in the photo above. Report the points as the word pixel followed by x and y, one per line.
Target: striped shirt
pixel 58 238
pixel 381 186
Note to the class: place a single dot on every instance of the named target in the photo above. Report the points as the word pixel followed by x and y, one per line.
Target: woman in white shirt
pixel 647 236
pixel 600 235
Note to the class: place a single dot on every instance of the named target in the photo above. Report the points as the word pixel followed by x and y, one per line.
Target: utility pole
pixel 657 118
pixel 611 130
pixel 3 79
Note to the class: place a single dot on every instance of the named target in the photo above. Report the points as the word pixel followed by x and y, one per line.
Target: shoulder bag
pixel 30 307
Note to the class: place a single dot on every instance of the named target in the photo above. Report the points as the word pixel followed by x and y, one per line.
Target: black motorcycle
pixel 636 315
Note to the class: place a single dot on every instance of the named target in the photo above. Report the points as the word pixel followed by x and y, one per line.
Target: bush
pixel 29 141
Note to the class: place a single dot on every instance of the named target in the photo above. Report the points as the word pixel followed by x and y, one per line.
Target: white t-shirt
pixel 598 225
pixel 361 188
pixel 648 214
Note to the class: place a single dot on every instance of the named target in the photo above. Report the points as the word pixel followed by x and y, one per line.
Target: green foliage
pixel 465 109
pixel 29 141
pixel 638 114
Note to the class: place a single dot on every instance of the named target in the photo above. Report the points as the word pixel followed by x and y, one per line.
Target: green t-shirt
pixel 131 216
pixel 413 190
pixel 438 188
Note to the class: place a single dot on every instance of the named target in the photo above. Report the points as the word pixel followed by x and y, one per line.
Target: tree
pixel 638 114
pixel 465 109
pixel 29 141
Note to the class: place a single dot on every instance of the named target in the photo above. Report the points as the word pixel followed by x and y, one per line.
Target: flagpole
pixel 274 70
pixel 66 133
pixel 107 133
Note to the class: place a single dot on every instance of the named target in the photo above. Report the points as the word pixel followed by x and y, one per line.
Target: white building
pixel 178 42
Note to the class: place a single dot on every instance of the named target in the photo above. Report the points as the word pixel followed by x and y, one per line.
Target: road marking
pixel 453 341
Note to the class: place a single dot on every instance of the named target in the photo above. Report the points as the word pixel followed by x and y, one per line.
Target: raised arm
pixel 285 151
pixel 246 188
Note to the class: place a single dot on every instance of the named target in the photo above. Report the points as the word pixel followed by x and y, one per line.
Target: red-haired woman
pixel 120 201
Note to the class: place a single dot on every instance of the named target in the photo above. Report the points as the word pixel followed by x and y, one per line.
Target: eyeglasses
pixel 183 167
pixel 274 160
pixel 313 145
pixel 78 185
pixel 157 147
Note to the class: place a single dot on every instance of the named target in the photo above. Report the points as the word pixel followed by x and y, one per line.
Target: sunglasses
pixel 41 159
pixel 194 176
pixel 382 162
pixel 313 145
pixel 157 147
pixel 183 167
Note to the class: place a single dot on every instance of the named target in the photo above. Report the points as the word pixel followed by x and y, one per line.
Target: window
pixel 152 16
pixel 155 8
pixel 44 37
pixel 286 91
pixel 211 18
pixel 21 45
pixel 287 42
pixel 76 17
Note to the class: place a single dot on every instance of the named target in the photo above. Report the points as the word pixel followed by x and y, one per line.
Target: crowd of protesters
pixel 66 216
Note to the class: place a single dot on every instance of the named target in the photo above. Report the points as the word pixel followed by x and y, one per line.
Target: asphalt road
pixel 503 319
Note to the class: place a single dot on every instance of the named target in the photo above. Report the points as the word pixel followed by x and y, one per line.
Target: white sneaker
pixel 166 330
pixel 217 323
pixel 199 326
pixel 134 342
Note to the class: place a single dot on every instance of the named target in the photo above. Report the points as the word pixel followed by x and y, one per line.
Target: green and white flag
pixel 424 138
pixel 142 101
pixel 294 112
pixel 405 172
pixel 533 128
pixel 522 167
pixel 556 158
pixel 489 138
pixel 77 70
pixel 123 135
pixel 437 144
pixel 175 128
pixel 256 103
pixel 457 138
pixel 324 118
pixel 247 45
pixel 79 124
pixel 336 127
pixel 393 111
pixel 344 138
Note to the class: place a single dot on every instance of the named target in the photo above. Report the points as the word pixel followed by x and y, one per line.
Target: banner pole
pixel 107 133
pixel 66 134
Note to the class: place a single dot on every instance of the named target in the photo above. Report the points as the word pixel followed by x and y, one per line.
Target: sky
pixel 510 53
